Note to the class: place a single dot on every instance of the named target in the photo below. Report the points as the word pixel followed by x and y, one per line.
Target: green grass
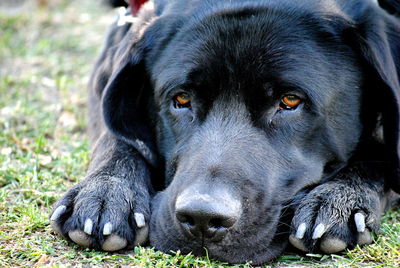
pixel 45 59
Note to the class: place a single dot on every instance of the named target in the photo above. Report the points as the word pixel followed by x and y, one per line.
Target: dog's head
pixel 244 106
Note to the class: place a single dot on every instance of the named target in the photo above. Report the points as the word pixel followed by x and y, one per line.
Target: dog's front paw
pixel 335 216
pixel 103 212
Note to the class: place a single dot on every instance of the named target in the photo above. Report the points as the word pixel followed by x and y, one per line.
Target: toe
pixel 142 235
pixel 364 238
pixel 297 243
pixel 114 242
pixel 56 227
pixel 80 237
pixel 332 245
pixel 54 219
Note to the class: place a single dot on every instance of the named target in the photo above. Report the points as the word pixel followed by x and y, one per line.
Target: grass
pixel 46 55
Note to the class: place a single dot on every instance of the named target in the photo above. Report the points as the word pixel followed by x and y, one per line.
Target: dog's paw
pixel 335 216
pixel 103 213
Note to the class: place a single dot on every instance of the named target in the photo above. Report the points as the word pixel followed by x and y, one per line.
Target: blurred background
pixel 47 50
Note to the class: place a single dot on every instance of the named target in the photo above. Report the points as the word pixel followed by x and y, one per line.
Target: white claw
pixel 58 212
pixel 107 228
pixel 301 230
pixel 359 219
pixel 319 231
pixel 139 218
pixel 88 226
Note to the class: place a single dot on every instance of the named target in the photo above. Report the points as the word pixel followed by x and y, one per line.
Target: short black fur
pixel 236 172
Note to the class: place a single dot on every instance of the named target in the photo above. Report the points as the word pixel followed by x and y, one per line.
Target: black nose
pixel 205 218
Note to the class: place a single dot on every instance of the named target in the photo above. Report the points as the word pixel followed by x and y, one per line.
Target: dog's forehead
pixel 245 50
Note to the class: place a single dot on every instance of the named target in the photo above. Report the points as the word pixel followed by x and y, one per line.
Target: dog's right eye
pixel 289 102
pixel 182 100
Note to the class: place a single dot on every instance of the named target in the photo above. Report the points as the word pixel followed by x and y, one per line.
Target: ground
pixel 47 49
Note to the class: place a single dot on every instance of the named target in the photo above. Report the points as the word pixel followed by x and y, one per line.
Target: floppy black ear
pixel 377 36
pixel 392 6
pixel 127 105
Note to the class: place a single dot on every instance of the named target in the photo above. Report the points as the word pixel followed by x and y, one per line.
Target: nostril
pixel 185 218
pixel 216 223
pixel 222 222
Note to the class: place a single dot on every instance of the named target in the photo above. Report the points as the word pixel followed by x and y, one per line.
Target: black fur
pixel 335 155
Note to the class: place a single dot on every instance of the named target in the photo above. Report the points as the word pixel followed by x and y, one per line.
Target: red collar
pixel 135 5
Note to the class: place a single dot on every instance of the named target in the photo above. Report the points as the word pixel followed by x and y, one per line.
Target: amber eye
pixel 182 100
pixel 289 102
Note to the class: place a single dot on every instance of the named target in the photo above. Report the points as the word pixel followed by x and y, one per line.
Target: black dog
pixel 262 122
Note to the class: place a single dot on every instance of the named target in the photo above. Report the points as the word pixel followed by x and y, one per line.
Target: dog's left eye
pixel 182 100
pixel 289 102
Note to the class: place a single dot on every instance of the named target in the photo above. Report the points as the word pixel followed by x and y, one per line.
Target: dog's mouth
pixel 257 238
